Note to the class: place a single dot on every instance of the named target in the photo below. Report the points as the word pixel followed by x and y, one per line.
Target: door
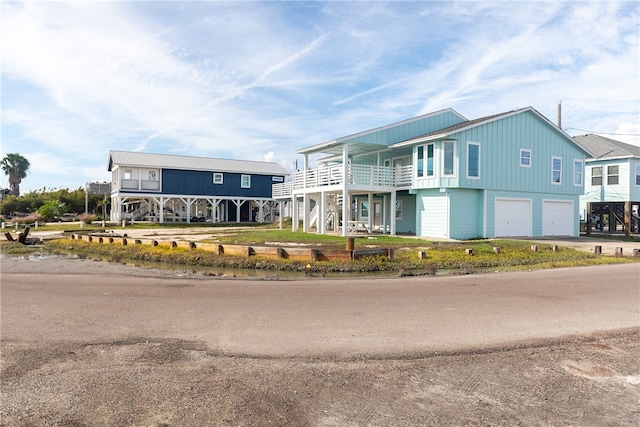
pixel 557 218
pixel 513 217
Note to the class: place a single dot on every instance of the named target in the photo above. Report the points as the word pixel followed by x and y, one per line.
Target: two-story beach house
pixel 163 188
pixel 611 201
pixel 441 175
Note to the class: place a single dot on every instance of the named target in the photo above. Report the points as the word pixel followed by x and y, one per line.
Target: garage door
pixel 513 217
pixel 557 218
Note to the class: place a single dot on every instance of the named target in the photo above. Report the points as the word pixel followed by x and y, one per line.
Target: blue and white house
pixel 162 188
pixel 441 175
pixel 611 200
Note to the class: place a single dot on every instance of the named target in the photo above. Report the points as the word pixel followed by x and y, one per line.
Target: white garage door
pixel 557 218
pixel 513 217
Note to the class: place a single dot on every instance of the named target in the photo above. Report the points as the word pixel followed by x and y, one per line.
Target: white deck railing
pixel 372 176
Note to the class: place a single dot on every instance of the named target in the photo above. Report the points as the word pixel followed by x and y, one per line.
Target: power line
pixel 604 133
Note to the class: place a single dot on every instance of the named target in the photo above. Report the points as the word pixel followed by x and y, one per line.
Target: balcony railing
pixel 372 176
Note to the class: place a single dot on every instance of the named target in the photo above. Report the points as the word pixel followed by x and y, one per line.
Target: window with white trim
pixel 525 158
pixel 613 175
pixel 430 157
pixel 577 172
pixel 473 160
pixel 596 175
pixel 218 178
pixel 638 174
pixel 398 209
pixel 556 170
pixel 448 158
pixel 420 162
pixel 245 181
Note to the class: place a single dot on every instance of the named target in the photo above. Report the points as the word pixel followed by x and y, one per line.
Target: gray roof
pixel 169 161
pixel 606 148
pixel 448 131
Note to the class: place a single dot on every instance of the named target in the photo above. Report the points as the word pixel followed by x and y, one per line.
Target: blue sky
pixel 259 80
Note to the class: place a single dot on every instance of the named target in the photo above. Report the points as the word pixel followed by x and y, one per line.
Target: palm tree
pixel 16 167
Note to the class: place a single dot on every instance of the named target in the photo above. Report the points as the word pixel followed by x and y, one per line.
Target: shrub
pixel 52 209
pixel 87 218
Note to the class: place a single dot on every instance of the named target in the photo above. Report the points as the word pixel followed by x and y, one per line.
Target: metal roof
pixel 606 148
pixel 169 161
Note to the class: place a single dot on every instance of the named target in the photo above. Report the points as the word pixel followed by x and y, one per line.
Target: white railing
pixel 373 176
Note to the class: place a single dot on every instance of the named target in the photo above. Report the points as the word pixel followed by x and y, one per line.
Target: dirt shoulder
pixel 586 381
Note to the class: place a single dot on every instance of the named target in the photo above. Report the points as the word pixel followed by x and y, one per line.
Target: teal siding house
pixel 441 175
pixel 611 200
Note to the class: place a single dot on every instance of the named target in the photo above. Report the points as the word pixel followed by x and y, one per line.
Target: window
pixel 448 158
pixel 420 162
pixel 364 210
pixel 398 209
pixel 525 158
pixel 152 175
pixel 128 174
pixel 430 170
pixel 577 173
pixel 638 174
pixel 473 160
pixel 613 176
pixel 245 181
pixel 596 175
pixel 218 178
pixel 556 170
pixel 277 179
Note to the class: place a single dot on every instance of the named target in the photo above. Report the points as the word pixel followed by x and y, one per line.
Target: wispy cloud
pixel 258 80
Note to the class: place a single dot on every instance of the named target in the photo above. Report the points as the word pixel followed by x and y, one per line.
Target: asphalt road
pixel 341 318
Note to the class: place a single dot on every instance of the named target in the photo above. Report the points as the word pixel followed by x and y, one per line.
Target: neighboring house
pixel 612 190
pixel 161 188
pixel 440 175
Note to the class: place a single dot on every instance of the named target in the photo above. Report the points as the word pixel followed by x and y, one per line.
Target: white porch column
pixel 346 202
pixel 281 207
pixel 294 213
pixel 385 213
pixel 371 213
pixel 260 204
pixel 392 214
pixel 322 213
pixel 306 210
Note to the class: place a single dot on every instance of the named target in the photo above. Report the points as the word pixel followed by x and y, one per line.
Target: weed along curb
pixel 274 252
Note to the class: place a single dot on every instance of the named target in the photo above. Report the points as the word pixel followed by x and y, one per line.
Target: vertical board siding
pixel 433 213
pixel 466 214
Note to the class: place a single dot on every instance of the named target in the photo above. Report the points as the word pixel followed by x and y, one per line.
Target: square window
pixel 245 181
pixel 128 174
pixel 218 178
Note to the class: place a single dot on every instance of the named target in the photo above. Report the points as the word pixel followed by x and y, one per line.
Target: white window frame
pixel 594 168
pixel 453 160
pixel 398 208
pixel 525 150
pixel 245 181
pixel 553 161
pixel 127 174
pixel 218 178
pixel 433 160
pixel 469 144
pixel 610 175
pixel 578 173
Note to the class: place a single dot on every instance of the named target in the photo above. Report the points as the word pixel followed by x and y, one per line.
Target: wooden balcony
pixel 379 178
